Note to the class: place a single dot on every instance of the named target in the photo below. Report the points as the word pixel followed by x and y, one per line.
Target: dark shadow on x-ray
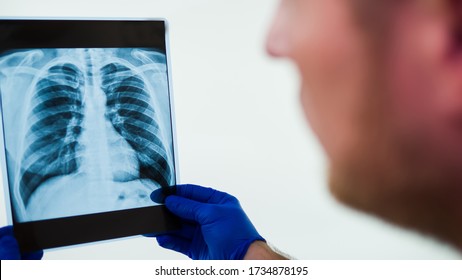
pixel 86 130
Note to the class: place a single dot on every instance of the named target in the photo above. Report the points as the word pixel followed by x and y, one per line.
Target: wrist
pixel 259 250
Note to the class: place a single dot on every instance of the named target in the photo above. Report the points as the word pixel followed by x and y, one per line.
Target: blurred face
pixel 337 68
pixel 381 98
pixel 320 36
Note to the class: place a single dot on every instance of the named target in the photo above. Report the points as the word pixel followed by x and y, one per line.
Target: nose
pixel 277 43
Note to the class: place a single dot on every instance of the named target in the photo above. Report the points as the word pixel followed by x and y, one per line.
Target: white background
pixel 241 130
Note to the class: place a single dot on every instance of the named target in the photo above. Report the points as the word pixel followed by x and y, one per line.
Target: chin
pixel 345 188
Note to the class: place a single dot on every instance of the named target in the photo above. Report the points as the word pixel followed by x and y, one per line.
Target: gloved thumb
pixel 187 209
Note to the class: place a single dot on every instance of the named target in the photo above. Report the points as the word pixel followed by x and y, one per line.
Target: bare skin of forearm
pixel 259 250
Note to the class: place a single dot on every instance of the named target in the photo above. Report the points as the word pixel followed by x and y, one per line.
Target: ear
pixel 453 49
pixel 440 34
pixel 425 61
pixel 454 13
pixel 450 64
pixel 426 35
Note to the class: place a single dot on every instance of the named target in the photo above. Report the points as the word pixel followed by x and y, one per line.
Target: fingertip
pixel 159 195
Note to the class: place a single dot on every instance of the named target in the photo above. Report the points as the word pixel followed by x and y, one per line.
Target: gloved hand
pixel 9 248
pixel 214 226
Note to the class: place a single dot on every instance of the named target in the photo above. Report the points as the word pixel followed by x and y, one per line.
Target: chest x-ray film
pixel 87 129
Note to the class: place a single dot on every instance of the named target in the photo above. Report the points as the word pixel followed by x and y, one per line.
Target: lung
pixel 56 116
pixel 130 112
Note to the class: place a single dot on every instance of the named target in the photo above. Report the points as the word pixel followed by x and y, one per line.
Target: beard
pixel 400 179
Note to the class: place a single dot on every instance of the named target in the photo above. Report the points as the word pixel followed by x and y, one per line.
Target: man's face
pixel 368 90
pixel 323 38
pixel 320 36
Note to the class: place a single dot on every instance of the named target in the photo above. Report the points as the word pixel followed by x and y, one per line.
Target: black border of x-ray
pixel 36 34
pixel 53 233
pixel 32 33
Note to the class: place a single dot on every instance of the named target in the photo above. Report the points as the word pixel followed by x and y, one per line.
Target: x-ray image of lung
pixel 86 130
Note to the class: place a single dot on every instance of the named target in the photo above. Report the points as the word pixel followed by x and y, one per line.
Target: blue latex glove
pixel 9 248
pixel 214 226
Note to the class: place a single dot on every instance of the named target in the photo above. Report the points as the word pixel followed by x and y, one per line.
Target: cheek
pixel 416 95
pixel 331 60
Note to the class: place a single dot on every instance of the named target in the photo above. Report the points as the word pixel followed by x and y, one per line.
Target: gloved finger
pixel 38 255
pixel 201 194
pixel 187 209
pixel 9 249
pixel 159 195
pixel 174 243
pixel 187 231
pixel 8 230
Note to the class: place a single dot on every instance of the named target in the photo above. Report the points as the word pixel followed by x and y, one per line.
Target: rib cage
pixel 56 117
pixel 132 116
pixel 80 140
